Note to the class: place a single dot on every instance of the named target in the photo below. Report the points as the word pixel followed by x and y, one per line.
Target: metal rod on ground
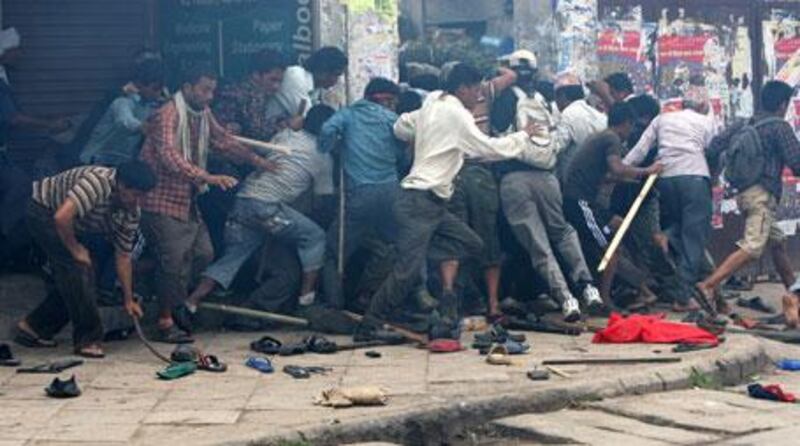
pixel 257 314
pixel 263 145
pixel 626 223
pixel 613 361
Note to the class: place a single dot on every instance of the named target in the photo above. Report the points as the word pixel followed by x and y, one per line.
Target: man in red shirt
pixel 176 149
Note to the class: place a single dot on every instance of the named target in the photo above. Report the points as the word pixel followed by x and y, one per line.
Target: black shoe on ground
pixel 63 389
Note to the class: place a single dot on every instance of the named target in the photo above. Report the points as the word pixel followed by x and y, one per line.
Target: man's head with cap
pixel 568 89
pixel 524 63
pixel 9 44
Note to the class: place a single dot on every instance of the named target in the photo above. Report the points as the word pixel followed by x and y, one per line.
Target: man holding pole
pixel 685 186
pixel 600 156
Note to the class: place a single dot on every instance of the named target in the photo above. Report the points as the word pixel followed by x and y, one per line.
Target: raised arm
pixel 638 153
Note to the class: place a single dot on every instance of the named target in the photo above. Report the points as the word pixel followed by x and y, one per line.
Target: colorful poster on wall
pixel 373 43
pixel 782 55
pixel 577 45
pixel 623 46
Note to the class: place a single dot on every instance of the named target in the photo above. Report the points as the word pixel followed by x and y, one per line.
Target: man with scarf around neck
pixel 177 150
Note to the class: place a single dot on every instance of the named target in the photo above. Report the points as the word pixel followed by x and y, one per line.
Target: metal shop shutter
pixel 74 51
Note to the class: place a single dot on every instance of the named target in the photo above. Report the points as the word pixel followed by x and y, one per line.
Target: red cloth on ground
pixel 651 329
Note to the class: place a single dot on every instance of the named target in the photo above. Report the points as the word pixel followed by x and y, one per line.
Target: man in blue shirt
pixel 370 156
pixel 119 134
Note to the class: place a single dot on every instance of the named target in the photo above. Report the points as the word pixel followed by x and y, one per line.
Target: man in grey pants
pixel 444 133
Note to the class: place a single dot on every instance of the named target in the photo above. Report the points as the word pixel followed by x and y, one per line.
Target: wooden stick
pixel 615 242
pixel 419 338
pixel 559 372
pixel 263 145
pixel 613 361
pixel 273 317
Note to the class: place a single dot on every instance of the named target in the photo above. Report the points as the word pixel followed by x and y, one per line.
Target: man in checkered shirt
pixel 176 149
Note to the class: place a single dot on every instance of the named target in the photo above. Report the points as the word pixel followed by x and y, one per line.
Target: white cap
pixel 515 59
pixel 567 78
pixel 9 39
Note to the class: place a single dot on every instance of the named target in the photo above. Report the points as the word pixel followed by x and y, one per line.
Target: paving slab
pixel 698 410
pixel 775 437
pixel 551 428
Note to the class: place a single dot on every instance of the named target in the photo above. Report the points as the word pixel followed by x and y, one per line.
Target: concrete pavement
pixel 433 398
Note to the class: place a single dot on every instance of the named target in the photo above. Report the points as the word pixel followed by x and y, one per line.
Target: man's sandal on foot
pixel 172 335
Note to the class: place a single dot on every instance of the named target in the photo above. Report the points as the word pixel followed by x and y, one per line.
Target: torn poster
pixel 372 44
pixel 624 46
pixel 578 27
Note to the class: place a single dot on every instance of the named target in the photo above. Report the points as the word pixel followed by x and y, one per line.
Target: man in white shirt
pixel 579 120
pixel 306 86
pixel 444 134
pixel 685 185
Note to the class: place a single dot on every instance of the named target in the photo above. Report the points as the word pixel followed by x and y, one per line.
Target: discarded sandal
pixel 772 392
pixel 175 371
pixel 293 349
pixel 210 363
pixel 63 389
pixel 52 367
pixel 7 358
pixel 296 372
pixel 266 345
pixel 755 303
pixel 320 344
pixel 263 365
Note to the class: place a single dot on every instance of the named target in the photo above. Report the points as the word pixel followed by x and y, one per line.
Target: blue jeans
pixel 251 222
pixel 686 209
pixel 368 210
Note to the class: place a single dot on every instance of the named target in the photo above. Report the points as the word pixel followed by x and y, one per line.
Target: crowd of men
pixel 437 198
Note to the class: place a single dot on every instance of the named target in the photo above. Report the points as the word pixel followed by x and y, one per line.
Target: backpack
pixel 745 159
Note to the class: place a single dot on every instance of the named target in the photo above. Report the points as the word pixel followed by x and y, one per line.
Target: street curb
pixel 435 423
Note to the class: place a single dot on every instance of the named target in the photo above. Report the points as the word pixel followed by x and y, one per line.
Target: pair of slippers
pixel 312 344
pixel 186 360
pixel 63 389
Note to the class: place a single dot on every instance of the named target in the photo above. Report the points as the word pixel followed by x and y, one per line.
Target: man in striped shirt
pixel 84 201
pixel 262 210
